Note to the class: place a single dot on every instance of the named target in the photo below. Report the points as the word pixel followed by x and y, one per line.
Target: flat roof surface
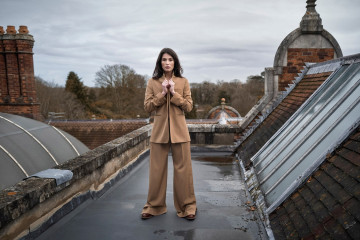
pixel 224 207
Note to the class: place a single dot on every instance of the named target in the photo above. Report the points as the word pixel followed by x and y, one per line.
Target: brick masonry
pixel 97 133
pixel 17 81
pixel 296 59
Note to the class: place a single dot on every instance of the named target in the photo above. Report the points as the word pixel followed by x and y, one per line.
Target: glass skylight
pixel 312 132
pixel 28 146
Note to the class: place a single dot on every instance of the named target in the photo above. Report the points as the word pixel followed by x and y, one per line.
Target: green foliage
pixel 75 86
pixel 120 94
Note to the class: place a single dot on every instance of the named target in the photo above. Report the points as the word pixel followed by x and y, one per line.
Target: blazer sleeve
pixel 184 101
pixel 152 101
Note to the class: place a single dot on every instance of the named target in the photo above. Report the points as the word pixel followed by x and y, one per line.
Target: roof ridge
pixel 269 108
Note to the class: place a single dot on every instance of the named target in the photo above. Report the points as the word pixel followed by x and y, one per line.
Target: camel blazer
pixel 169 119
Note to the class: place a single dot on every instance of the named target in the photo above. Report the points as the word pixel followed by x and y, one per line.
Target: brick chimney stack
pixel 17 81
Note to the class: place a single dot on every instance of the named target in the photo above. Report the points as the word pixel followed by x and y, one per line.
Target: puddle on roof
pixel 215 159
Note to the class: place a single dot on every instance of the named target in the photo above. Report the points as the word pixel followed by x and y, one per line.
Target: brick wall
pixel 96 133
pixel 17 81
pixel 227 110
pixel 296 59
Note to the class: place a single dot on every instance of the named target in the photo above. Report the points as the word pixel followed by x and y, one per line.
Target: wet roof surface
pixel 224 207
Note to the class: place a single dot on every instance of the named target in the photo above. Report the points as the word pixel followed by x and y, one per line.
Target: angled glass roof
pixel 320 124
pixel 28 146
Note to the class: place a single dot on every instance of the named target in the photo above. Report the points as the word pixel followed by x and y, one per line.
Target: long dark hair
pixel 158 71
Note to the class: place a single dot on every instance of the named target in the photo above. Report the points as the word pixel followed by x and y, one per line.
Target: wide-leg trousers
pixel 183 186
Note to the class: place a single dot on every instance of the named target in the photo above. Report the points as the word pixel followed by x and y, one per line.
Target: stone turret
pixel 17 81
pixel 310 43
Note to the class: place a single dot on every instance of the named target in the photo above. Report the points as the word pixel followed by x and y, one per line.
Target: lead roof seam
pixel 67 140
pixel 14 160
pixel 308 134
pixel 317 162
pixel 313 146
pixel 281 198
pixel 32 136
pixel 294 125
pixel 303 105
pixel 275 102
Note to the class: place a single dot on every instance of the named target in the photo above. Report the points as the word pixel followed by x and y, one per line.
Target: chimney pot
pixel 10 30
pixel 2 30
pixel 23 30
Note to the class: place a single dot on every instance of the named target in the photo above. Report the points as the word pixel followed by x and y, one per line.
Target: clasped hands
pixel 168 86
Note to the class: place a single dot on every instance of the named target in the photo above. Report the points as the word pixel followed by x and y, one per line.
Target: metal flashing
pixel 271 106
pixel 309 133
pixel 60 176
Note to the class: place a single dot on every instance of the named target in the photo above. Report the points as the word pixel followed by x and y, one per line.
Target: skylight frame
pixel 291 122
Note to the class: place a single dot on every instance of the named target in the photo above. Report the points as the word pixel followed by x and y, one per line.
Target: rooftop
pixel 225 210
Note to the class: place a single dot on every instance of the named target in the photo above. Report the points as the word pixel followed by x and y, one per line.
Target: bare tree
pixel 108 76
pixel 123 88
pixel 54 98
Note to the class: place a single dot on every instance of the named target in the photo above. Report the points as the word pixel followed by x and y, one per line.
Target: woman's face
pixel 167 63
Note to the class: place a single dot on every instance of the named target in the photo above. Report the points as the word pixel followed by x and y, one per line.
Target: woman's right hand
pixel 164 88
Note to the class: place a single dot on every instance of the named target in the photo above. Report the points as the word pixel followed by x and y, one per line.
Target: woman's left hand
pixel 172 87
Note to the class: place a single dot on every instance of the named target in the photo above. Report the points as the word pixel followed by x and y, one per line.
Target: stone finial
pixel 2 30
pixel 311 5
pixel 223 103
pixel 10 30
pixel 23 30
pixel 311 21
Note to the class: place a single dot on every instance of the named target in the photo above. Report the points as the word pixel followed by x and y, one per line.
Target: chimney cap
pixel 23 29
pixel 10 30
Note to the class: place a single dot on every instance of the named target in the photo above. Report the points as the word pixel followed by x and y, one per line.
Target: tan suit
pixel 181 101
pixel 170 130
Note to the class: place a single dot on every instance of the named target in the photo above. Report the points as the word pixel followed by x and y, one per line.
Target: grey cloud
pixel 214 39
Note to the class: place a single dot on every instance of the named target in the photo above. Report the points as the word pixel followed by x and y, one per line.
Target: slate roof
pixel 249 145
pixel 304 168
pixel 327 205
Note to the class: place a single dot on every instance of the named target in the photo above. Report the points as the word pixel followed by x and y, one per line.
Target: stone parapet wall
pixel 32 205
pixel 217 134
pixel 96 133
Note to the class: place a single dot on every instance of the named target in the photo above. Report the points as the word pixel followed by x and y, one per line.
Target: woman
pixel 168 95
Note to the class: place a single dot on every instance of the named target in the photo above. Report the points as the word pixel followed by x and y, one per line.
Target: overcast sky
pixel 215 39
